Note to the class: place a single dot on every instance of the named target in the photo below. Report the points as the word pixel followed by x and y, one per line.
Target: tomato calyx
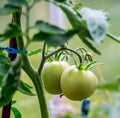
pixel 88 66
pixel 60 56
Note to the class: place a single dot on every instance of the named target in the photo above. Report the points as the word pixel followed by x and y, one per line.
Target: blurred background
pixel 110 57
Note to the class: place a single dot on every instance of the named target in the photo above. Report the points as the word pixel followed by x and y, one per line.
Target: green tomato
pixel 78 84
pixel 51 75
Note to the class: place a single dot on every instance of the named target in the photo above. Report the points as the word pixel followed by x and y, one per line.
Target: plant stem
pixel 34 76
pixel 27 25
pixel 61 49
pixel 37 81
pixel 113 37
pixel 41 96
pixel 80 58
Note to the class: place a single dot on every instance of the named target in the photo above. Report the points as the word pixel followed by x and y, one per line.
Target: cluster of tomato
pixel 61 78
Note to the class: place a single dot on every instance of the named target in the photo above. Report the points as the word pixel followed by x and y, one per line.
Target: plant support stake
pixel 7 108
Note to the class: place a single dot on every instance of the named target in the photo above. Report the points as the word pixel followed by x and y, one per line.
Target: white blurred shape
pixel 56 16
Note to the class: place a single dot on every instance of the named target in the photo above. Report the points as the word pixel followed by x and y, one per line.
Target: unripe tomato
pixel 77 84
pixel 51 75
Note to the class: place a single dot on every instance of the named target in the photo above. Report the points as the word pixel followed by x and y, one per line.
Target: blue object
pixel 13 51
pixel 85 107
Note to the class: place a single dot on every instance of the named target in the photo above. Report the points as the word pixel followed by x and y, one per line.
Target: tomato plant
pixel 85 24
pixel 51 75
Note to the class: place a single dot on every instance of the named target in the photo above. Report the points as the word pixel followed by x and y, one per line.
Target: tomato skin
pixel 51 75
pixel 77 84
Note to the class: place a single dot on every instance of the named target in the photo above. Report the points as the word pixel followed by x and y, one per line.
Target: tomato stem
pixel 59 50
pixel 117 39
pixel 27 67
pixel 73 51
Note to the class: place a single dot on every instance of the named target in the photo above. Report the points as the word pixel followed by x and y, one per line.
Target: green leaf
pixel 25 88
pixel 109 86
pixel 33 52
pixel 88 44
pixel 73 16
pixel 78 5
pixel 76 21
pixel 16 112
pixel 1 79
pixel 18 3
pixel 48 28
pixel 54 39
pixel 11 30
pixel 4 64
pixel 2 53
pixel 13 102
pixel 7 9
pixel 10 83
pixel 90 65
